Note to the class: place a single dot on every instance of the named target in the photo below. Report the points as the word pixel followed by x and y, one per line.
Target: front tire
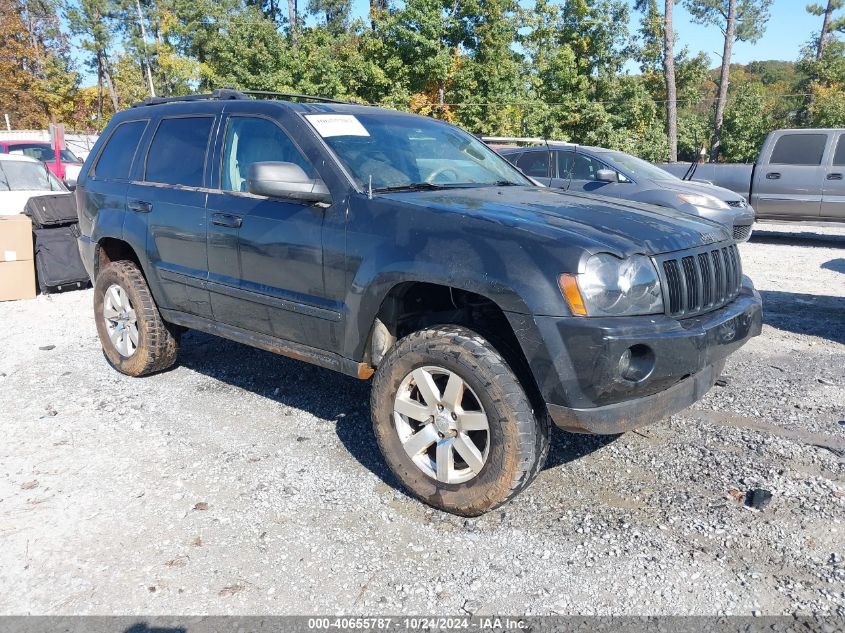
pixel 454 423
pixel 136 340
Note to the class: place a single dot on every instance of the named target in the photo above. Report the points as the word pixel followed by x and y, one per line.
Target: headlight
pixel 703 200
pixel 610 286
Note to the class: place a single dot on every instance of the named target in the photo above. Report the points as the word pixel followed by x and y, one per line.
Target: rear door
pixel 171 195
pixel 103 196
pixel 833 197
pixel 265 254
pixel 788 183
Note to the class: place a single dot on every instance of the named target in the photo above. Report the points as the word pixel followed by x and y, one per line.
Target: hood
pixel 12 202
pixel 597 223
pixel 686 186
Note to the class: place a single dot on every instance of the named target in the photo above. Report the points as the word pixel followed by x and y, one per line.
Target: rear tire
pixel 136 340
pixel 496 443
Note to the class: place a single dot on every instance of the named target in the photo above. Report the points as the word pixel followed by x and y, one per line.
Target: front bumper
pixel 738 220
pixel 686 357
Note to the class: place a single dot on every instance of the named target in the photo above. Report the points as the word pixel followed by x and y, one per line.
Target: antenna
pixel 370 188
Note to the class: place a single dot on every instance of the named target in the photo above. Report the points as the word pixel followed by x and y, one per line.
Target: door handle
pixel 226 219
pixel 140 206
pixel 773 175
pixel 834 176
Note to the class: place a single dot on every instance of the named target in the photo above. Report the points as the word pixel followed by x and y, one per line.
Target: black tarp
pixel 51 210
pixel 57 262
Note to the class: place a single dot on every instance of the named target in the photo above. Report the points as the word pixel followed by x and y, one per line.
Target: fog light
pixel 636 363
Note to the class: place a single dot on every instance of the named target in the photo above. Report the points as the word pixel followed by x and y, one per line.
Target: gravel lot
pixel 241 482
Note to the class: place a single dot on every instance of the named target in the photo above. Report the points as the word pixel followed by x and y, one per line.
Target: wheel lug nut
pixel 440 435
pixel 440 407
pixel 454 416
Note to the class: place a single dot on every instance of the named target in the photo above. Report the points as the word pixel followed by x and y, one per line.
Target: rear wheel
pixel 136 340
pixel 454 423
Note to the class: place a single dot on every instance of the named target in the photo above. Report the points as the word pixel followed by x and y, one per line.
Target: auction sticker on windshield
pixel 336 125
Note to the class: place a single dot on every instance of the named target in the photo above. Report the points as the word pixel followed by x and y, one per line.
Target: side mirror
pixel 607 175
pixel 285 180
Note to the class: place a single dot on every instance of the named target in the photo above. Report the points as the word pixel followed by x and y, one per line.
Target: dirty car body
pixel 407 224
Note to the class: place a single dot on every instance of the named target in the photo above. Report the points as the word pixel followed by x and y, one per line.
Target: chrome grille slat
pixel 699 280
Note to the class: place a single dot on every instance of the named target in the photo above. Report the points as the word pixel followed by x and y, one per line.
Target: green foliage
pixel 826 86
pixel 497 67
pixel 746 125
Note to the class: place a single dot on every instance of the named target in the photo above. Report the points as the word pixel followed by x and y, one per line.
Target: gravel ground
pixel 241 482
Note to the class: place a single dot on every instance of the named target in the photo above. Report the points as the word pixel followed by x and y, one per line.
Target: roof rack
pixel 291 95
pixel 230 93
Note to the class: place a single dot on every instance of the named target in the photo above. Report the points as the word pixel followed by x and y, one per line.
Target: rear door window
pixel 799 149
pixel 534 164
pixel 177 152
pixel 839 156
pixel 115 160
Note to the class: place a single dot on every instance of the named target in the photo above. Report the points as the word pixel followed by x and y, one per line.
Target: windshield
pixel 405 152
pixel 19 175
pixel 637 167
pixel 43 152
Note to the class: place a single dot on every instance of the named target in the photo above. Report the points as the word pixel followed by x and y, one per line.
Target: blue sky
pixel 789 28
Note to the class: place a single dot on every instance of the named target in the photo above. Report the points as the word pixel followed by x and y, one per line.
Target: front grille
pixel 741 233
pixel 737 204
pixel 700 280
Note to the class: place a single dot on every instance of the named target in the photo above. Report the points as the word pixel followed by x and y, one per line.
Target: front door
pixel 577 172
pixel 789 184
pixel 172 196
pixel 265 254
pixel 833 196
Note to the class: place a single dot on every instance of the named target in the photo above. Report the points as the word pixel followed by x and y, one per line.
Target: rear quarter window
pixel 177 152
pixel 799 149
pixel 115 160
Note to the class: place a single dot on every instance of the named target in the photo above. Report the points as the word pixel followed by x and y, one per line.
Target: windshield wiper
pixel 430 186
pixel 414 186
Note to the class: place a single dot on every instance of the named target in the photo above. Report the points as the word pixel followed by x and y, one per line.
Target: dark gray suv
pixel 387 245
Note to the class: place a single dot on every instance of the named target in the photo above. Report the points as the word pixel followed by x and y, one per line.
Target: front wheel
pixel 136 340
pixel 454 423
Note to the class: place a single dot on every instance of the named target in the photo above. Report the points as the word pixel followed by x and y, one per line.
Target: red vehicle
pixel 66 168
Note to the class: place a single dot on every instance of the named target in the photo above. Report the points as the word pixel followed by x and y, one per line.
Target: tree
pixel 746 124
pixel 828 24
pixel 336 13
pixel 91 19
pixel 738 20
pixel 825 84
pixel 658 50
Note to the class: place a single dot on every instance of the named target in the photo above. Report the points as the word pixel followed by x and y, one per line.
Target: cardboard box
pixel 15 238
pixel 17 280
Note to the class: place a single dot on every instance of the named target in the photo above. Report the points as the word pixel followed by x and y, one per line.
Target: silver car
pixel 619 175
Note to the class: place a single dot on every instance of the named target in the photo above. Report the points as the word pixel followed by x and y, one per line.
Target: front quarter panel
pixel 390 243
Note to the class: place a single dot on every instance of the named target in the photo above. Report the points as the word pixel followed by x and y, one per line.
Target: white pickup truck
pixel 799 175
